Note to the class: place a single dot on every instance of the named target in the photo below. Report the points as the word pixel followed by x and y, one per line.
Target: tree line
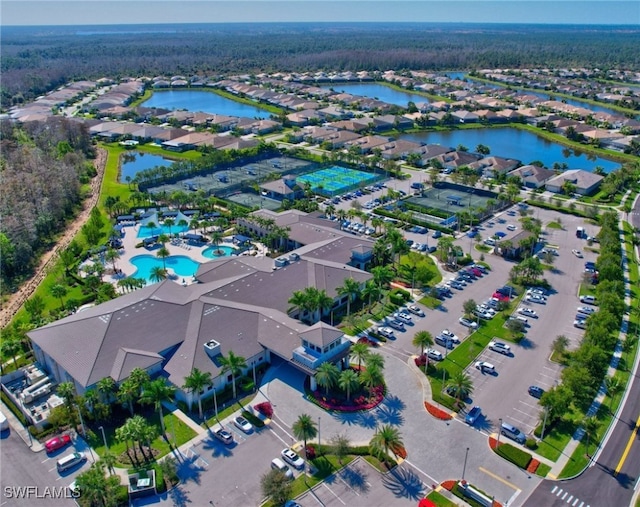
pixel 32 65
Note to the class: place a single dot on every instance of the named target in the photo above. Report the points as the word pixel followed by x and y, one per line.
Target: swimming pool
pixel 336 180
pixel 181 265
pixel 226 251
pixel 147 232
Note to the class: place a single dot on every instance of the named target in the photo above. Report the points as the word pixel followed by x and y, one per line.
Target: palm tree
pixel 123 434
pixel 423 340
pixel 112 255
pixel 360 352
pixel 327 376
pixel 163 253
pixel 371 377
pixel 462 385
pixel 370 291
pixel 155 393
pixel 67 391
pixel 96 488
pixel 374 361
pixel 59 291
pixel 348 381
pixel 216 239
pixel 127 393
pixel 590 425
pixel 301 301
pixel 169 222
pixel 614 387
pixel 235 365
pixel 10 347
pixel 321 302
pixel 107 387
pixel 195 383
pixel 385 439
pixel 109 459
pixel 157 274
pixel 304 428
pixel 350 288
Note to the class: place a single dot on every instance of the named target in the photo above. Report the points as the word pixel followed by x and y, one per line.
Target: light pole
pixel 544 422
pixel 84 432
pixel 464 467
pixel 104 438
pixel 499 430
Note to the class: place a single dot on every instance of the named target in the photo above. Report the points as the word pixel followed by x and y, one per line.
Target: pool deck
pixel 129 250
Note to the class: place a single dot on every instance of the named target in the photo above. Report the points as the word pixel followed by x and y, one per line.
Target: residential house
pixel 533 176
pixel 586 183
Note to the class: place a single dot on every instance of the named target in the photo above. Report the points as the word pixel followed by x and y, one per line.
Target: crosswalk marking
pixel 559 492
pixel 564 496
pixel 569 499
pixel 575 502
pixel 581 504
pixel 554 489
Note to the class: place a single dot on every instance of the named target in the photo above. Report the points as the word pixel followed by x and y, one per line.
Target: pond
pixel 133 162
pixel 207 102
pixel 514 143
pixel 377 91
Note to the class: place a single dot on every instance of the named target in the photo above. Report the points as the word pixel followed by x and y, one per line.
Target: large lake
pixel 133 162
pixel 207 102
pixel 377 91
pixel 514 143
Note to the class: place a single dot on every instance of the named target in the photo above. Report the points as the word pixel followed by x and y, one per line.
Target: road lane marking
pixel 498 478
pixel 628 448
pixel 332 492
pixel 575 502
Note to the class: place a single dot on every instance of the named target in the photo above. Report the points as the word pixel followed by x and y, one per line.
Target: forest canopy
pixel 37 59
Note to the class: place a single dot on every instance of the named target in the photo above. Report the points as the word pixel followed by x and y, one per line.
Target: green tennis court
pixel 336 180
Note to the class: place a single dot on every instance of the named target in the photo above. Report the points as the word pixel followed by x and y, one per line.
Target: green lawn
pixel 222 414
pixel 440 500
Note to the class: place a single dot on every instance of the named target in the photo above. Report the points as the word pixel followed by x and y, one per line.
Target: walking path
pixel 48 260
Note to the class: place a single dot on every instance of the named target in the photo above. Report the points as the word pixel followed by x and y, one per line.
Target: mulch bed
pixel 533 466
pixel 493 443
pixel 436 412
pixel 449 485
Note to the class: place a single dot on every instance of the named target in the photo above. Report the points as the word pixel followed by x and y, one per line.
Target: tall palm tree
pixel 157 274
pixel 321 302
pixel 67 391
pixel 169 222
pixel 155 393
pixel 10 346
pixel 462 385
pixel 371 377
pixel 327 376
pixel 107 387
pixel 590 425
pixel 112 255
pixel 350 288
pixel 123 434
pixel 348 381
pixel 304 428
pixel 614 387
pixel 360 352
pixel 370 291
pixel 128 393
pixel 235 365
pixel 301 301
pixel 385 439
pixel 163 253
pixel 422 340
pixel 59 291
pixel 374 361
pixel 216 239
pixel 195 383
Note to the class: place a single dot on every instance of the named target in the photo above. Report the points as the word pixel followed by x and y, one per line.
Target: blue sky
pixel 118 12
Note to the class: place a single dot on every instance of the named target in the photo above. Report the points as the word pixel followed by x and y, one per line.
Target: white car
pixel 241 423
pixel 536 298
pixel 577 253
pixel 483 307
pixel 586 310
pixel 500 347
pixel 590 300
pixel 290 456
pixel 468 323
pixel 415 309
pixel 485 367
pixel 580 324
pixel 434 355
pixel 537 290
pixel 450 336
pixel 528 312
pixel 403 317
pixel 483 315
pixel 511 227
pixel 387 332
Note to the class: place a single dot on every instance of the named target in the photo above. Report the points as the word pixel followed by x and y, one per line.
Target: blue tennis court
pixel 336 180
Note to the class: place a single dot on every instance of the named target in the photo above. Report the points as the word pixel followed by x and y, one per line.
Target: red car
pixel 501 297
pixel 55 443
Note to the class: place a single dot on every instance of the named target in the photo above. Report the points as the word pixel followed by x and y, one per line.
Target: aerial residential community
pixel 304 284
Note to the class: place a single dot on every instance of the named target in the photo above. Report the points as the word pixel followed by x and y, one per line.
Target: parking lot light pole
pixel 104 438
pixel 464 467
pixel 499 430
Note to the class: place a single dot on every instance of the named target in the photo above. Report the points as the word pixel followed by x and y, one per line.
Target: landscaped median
pixel 468 493
pixel 519 457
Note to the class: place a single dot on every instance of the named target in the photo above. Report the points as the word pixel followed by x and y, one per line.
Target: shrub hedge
pixel 516 456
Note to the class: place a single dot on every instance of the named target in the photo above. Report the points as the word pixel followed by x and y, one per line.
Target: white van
pixel 278 464
pixel 70 461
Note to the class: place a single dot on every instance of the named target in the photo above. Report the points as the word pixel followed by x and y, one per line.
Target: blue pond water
pixel 207 102
pixel 513 143
pixel 147 232
pixel 181 265
pixel 135 161
pixel 212 251
pixel 378 91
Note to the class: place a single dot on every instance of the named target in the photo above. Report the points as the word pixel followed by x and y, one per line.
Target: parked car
pixel 580 323
pixel 278 464
pixel 483 315
pixel 536 391
pixel 290 456
pixel 443 341
pixel 456 285
pixel 590 300
pixel 243 424
pixel 536 298
pixel 473 415
pixel 484 308
pixel 528 312
pixel 511 227
pixel 467 323
pixel 500 347
pixel 395 324
pixel 415 309
pixel 58 442
pixel 224 436
pixel 485 367
pixel 403 317
pixel 70 461
pixel 451 336
pixel 537 290
pixel 577 253
pixel 436 234
pixel 513 433
pixel 434 355
pixel 387 332
pixel 500 297
pixel 507 290
pixel 586 310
